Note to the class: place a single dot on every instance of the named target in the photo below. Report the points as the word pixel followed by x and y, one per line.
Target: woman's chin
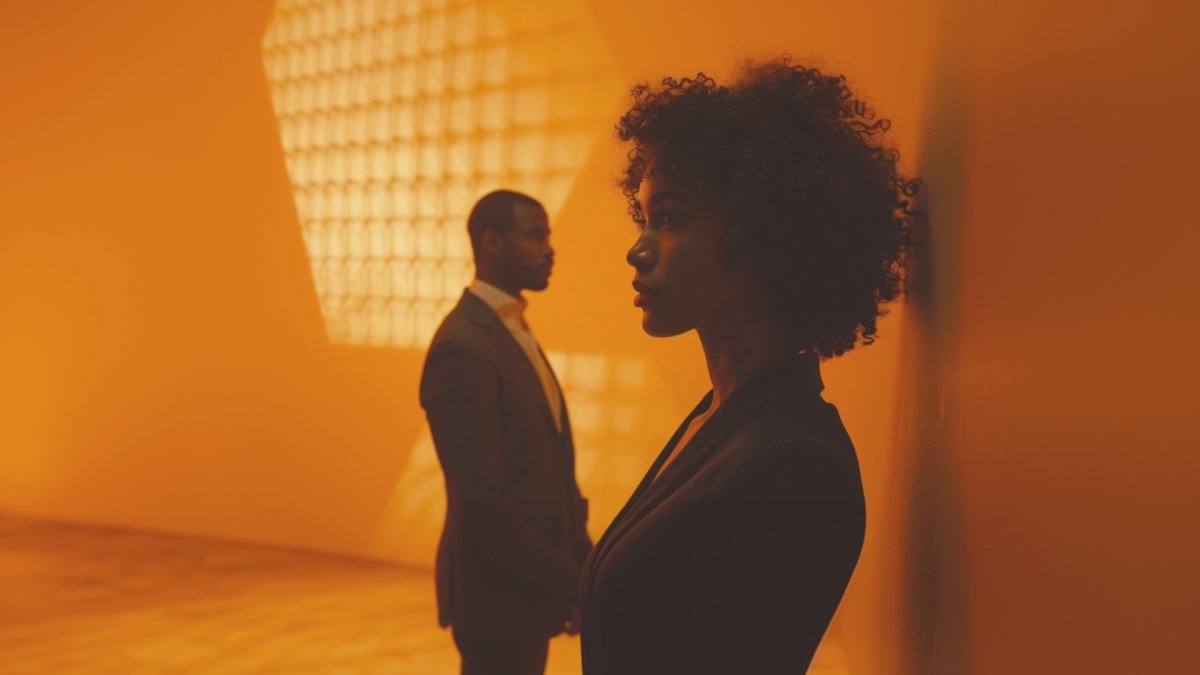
pixel 658 327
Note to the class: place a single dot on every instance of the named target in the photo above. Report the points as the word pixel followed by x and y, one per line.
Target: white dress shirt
pixel 512 313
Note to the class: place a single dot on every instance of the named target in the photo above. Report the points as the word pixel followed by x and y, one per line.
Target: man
pixel 508 565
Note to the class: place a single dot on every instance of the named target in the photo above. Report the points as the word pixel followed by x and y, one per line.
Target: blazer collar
pixel 479 311
pixel 794 375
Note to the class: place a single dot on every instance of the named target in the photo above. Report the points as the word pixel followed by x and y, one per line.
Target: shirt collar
pixel 501 303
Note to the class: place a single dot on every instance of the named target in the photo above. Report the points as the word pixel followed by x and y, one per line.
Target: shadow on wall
pixel 931 401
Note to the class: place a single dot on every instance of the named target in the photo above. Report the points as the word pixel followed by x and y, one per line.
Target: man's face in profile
pixel 528 257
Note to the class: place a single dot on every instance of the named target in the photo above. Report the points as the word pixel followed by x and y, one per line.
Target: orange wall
pixel 1026 424
pixel 1079 467
pixel 164 359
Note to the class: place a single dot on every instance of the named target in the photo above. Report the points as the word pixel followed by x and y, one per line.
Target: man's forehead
pixel 529 210
pixel 531 216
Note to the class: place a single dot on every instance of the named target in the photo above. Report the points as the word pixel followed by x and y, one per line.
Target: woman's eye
pixel 668 220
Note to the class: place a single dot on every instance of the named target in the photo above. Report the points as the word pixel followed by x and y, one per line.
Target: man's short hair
pixel 495 211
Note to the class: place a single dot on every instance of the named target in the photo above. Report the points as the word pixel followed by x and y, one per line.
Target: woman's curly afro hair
pixel 813 202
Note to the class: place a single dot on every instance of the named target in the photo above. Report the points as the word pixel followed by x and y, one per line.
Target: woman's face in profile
pixel 681 279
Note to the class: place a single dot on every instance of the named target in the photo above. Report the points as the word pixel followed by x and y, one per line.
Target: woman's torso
pixel 734 559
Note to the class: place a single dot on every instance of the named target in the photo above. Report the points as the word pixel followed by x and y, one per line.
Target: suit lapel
pixel 707 440
pixel 797 374
pixel 562 398
pixel 625 517
pixel 500 337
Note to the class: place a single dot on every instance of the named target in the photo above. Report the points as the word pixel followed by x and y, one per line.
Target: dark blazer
pixel 509 559
pixel 734 560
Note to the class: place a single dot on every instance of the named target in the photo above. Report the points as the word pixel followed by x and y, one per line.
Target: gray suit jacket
pixel 514 538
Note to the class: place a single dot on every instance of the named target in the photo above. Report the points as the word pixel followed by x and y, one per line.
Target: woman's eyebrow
pixel 665 195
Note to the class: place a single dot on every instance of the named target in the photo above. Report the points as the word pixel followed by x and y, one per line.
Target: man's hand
pixel 573 619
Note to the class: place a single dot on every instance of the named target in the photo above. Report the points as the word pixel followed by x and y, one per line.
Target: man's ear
pixel 492 243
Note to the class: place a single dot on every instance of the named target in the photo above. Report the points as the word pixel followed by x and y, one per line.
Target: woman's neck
pixel 740 347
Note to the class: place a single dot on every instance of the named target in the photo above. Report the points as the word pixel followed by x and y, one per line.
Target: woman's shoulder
pixel 794 452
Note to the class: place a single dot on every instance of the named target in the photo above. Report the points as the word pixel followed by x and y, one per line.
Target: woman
pixel 772 222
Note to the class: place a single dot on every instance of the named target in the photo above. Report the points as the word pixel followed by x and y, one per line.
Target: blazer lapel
pixel 708 439
pixel 562 398
pixel 506 344
pixel 797 373
pixel 636 506
pixel 793 375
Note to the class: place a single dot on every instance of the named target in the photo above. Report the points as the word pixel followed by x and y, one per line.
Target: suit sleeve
pixel 583 540
pixel 460 392
pixel 585 544
pixel 784 542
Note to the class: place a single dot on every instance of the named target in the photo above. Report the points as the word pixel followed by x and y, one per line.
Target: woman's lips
pixel 644 294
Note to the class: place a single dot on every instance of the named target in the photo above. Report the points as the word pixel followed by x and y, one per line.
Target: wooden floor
pixel 82 600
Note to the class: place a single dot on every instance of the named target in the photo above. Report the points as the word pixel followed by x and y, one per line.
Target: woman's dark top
pixel 734 560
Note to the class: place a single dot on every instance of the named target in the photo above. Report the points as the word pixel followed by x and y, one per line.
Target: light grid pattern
pixel 397 115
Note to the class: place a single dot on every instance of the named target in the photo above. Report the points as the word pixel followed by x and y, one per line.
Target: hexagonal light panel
pixel 396 115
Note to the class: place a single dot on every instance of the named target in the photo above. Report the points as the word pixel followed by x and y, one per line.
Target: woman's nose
pixel 640 255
